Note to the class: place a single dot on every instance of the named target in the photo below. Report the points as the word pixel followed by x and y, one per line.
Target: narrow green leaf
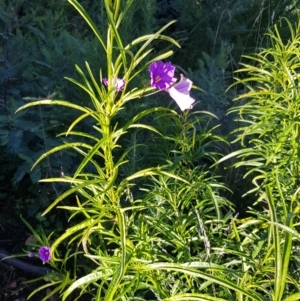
pixel 286 254
pixel 70 232
pixel 195 273
pixel 116 34
pixel 55 102
pixel 89 156
pixel 153 172
pixel 79 184
pixel 191 297
pixel 35 234
pixel 89 21
pixel 276 241
pixel 120 270
pixel 60 148
pixel 90 278
pixel 154 37
pixel 294 297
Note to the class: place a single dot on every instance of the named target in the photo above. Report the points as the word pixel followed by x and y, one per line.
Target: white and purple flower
pixel 180 92
pixel 162 78
pixel 119 84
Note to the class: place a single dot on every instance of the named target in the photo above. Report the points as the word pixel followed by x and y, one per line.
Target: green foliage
pixel 240 25
pixel 58 38
pixel 109 215
pixel 213 37
pixel 143 211
pixel 268 118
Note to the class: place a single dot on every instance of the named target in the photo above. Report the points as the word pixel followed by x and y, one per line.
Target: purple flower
pixel 162 75
pixel 119 84
pixel 180 92
pixel 31 254
pixel 45 254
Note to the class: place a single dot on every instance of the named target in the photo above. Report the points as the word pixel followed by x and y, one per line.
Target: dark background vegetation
pixel 42 40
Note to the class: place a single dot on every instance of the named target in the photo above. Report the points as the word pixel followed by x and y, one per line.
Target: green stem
pixel 116 9
pixel 109 58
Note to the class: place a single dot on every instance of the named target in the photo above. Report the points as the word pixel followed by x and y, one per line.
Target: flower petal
pixel 162 75
pixel 181 93
pixel 31 254
pixel 119 84
pixel 45 253
pixel 105 81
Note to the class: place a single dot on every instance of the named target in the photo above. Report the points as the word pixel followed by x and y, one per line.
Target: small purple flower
pixel 31 254
pixel 180 92
pixel 162 75
pixel 105 81
pixel 120 83
pixel 45 253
